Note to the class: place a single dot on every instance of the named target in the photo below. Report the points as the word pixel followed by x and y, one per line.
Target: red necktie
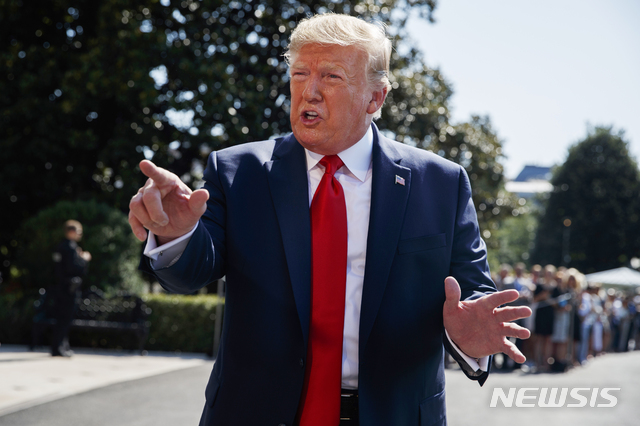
pixel 323 375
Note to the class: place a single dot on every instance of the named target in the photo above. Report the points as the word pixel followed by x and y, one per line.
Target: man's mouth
pixel 310 115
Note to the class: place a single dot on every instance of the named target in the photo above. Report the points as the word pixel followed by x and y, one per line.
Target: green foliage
pixel 114 250
pixel 79 107
pixel 177 323
pixel 184 323
pixel 16 312
pixel 476 147
pixel 592 217
pixel 515 239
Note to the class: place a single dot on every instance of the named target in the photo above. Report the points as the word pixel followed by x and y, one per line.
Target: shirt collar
pixel 357 157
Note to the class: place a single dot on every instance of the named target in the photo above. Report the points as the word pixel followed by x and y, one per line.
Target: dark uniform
pixel 70 267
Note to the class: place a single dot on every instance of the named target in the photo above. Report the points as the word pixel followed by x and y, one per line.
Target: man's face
pixel 331 101
pixel 75 234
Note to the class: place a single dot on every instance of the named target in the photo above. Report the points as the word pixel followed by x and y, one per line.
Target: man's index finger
pixel 159 175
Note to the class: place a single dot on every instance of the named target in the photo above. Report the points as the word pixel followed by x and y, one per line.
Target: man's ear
pixel 377 99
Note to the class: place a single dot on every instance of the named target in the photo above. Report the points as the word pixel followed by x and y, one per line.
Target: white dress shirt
pixel 355 178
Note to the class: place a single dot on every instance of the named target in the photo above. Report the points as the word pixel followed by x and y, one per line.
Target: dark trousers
pixel 64 308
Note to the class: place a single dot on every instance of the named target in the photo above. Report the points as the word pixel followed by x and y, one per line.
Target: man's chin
pixel 308 140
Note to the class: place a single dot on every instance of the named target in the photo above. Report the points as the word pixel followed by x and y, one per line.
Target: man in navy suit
pixel 412 237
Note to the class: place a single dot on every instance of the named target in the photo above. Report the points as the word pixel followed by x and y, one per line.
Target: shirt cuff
pixel 166 254
pixel 476 364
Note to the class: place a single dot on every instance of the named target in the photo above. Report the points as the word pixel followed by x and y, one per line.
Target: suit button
pixel 282 424
pixel 301 362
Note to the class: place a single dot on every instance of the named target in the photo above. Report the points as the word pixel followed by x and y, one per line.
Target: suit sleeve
pixel 469 264
pixel 469 252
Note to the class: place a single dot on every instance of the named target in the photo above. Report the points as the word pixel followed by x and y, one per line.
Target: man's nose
pixel 312 90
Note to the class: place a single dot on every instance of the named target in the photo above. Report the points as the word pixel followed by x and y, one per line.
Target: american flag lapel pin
pixel 399 180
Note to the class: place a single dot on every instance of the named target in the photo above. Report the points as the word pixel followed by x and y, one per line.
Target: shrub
pixel 177 323
pixel 184 323
pixel 16 312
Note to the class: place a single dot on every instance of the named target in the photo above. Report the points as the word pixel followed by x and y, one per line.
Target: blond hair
pixel 578 277
pixel 345 30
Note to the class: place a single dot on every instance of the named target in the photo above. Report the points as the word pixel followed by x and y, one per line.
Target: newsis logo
pixel 554 397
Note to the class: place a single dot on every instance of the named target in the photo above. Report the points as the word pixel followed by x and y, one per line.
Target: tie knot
pixel 331 164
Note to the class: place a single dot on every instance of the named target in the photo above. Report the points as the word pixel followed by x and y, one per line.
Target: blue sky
pixel 542 70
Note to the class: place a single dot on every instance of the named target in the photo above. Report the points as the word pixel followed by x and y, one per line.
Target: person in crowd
pixel 536 274
pixel 503 276
pixel 634 333
pixel 543 327
pixel 621 321
pixel 521 283
pixel 70 266
pixel 561 296
pixel 594 322
pixel 575 283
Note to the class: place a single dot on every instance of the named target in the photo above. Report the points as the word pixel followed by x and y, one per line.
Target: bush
pixel 177 323
pixel 16 312
pixel 184 323
pixel 115 251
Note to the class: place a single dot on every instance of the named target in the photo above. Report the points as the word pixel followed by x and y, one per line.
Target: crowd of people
pixel 572 321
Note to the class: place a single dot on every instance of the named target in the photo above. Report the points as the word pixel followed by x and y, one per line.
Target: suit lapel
pixel 388 203
pixel 287 175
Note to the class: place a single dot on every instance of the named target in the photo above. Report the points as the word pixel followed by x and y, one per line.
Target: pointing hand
pixel 165 205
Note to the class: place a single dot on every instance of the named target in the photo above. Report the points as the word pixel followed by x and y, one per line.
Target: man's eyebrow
pixel 332 66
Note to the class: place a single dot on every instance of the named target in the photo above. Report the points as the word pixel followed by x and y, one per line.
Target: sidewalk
pixel 28 378
pixel 469 404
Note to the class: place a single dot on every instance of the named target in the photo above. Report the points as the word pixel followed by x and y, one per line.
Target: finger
pixel 138 209
pixel 159 175
pixel 510 329
pixel 452 292
pixel 137 228
pixel 513 352
pixel 511 313
pixel 198 201
pixel 500 298
pixel 152 199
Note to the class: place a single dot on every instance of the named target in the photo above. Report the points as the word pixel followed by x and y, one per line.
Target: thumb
pixel 452 293
pixel 198 201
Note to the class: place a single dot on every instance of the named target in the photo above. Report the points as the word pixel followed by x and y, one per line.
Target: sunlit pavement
pixel 113 388
pixel 469 404
pixel 32 378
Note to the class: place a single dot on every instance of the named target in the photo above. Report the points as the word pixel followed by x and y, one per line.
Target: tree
pixel 79 107
pixel 88 89
pixel 515 238
pixel 592 218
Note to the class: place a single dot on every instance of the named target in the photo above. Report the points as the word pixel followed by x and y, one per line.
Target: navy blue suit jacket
pixel 257 232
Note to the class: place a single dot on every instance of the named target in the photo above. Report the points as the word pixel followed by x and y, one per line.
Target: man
pixel 271 217
pixel 71 264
